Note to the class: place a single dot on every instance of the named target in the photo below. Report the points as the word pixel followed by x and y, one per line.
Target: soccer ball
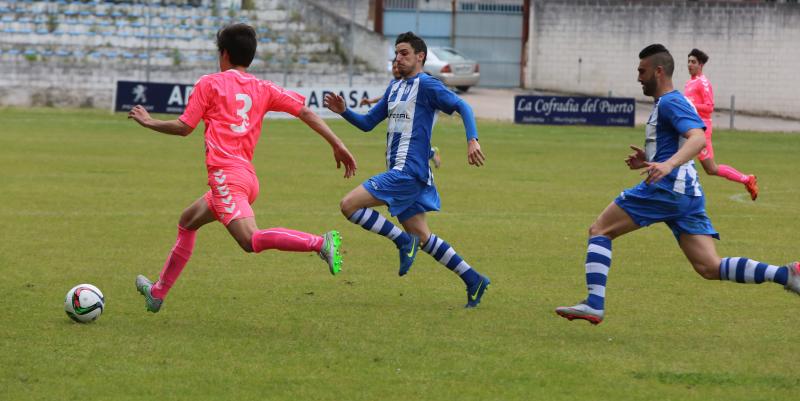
pixel 84 303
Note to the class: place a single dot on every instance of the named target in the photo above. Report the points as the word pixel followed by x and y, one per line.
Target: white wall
pixel 754 49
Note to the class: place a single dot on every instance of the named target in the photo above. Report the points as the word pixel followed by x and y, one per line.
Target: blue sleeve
pixel 366 122
pixel 468 118
pixel 681 115
pixel 439 96
pixel 445 100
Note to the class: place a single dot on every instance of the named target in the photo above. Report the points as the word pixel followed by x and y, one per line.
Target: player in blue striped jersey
pixel 434 155
pixel 407 187
pixel 671 193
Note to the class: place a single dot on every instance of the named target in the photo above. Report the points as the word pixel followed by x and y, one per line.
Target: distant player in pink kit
pixel 232 103
pixel 698 89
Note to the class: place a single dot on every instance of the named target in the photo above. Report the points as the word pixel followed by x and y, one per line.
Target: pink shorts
pixel 233 190
pixel 708 151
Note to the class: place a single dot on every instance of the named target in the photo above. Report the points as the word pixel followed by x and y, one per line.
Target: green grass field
pixel 90 197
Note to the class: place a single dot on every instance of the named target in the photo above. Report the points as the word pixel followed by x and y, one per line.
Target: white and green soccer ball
pixel 84 303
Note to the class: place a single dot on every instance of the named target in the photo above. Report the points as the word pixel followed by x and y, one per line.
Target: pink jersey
pixel 699 91
pixel 233 105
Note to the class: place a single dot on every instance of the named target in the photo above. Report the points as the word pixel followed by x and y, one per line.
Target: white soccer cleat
pixel 581 311
pixel 793 282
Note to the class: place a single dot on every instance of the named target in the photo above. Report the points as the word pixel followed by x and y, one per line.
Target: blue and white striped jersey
pixel 411 106
pixel 411 109
pixel 673 115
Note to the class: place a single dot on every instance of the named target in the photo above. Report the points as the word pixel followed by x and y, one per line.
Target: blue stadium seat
pixel 116 14
pixel 142 56
pixel 42 31
pixel 13 52
pixel 62 53
pixel 128 55
pixel 30 52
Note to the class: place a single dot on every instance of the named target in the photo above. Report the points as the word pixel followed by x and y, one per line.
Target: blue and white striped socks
pixel 446 255
pixel 373 221
pixel 598 262
pixel 743 270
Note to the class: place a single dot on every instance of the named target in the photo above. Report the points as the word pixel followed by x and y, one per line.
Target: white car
pixel 452 68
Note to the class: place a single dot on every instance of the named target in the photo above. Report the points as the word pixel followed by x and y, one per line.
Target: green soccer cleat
pixel 330 251
pixel 145 287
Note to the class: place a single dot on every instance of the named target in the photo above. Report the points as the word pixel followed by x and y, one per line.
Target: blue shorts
pixel 406 196
pixel 648 204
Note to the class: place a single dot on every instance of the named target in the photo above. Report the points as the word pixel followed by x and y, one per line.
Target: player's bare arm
pixel 340 152
pixel 369 102
pixel 171 127
pixel 695 142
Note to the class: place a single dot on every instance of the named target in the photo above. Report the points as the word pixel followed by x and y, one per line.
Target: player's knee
pixel 706 271
pixel 187 219
pixel 347 207
pixel 245 243
pixel 711 170
pixel 595 229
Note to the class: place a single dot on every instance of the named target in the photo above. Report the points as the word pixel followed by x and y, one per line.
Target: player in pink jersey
pixel 698 89
pixel 232 103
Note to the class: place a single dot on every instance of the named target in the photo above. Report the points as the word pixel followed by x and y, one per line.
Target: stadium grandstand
pixel 79 46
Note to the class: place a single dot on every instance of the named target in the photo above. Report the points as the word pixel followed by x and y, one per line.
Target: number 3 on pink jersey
pixel 242 112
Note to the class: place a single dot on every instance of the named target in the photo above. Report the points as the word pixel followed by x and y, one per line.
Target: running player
pixel 407 187
pixel 698 89
pixel 435 155
pixel 670 194
pixel 232 103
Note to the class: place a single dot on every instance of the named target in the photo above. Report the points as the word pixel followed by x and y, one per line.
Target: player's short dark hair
pixel 239 40
pixel 700 55
pixel 415 41
pixel 661 57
